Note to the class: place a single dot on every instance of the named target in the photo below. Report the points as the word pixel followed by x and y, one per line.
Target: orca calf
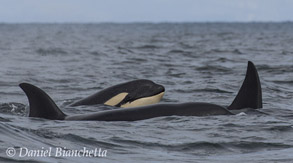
pixel 249 96
pixel 130 94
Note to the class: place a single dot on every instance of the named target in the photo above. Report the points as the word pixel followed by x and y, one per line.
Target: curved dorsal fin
pixel 249 95
pixel 41 105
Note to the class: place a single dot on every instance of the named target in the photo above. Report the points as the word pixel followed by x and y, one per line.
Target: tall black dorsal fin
pixel 41 105
pixel 249 95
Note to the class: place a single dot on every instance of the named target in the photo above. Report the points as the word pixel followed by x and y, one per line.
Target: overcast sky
pixel 145 10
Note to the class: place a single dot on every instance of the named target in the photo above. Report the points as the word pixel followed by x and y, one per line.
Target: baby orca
pixel 130 94
pixel 249 96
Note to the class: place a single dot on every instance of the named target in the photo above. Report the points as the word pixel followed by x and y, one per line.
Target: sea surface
pixel 196 62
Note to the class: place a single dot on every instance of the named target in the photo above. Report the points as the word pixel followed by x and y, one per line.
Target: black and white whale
pixel 130 94
pixel 249 96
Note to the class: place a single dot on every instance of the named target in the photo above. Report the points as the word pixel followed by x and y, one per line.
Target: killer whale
pixel 129 94
pixel 249 95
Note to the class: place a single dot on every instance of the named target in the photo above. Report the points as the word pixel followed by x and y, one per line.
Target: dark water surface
pixel 195 63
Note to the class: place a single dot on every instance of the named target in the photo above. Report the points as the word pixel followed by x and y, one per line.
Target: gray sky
pixel 145 10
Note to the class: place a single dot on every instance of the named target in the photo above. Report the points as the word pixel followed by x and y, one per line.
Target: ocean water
pixel 196 62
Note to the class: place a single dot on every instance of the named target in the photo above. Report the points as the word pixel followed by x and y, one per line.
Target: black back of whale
pixel 249 96
pixel 156 110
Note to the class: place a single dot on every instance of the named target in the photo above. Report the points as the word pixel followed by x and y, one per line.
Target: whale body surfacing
pixel 130 94
pixel 249 96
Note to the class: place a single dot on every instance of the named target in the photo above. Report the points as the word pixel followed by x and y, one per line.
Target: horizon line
pixel 144 22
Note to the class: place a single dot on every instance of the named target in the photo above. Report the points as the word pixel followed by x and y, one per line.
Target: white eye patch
pixel 116 99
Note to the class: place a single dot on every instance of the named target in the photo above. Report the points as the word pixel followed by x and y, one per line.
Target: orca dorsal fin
pixel 249 95
pixel 41 105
